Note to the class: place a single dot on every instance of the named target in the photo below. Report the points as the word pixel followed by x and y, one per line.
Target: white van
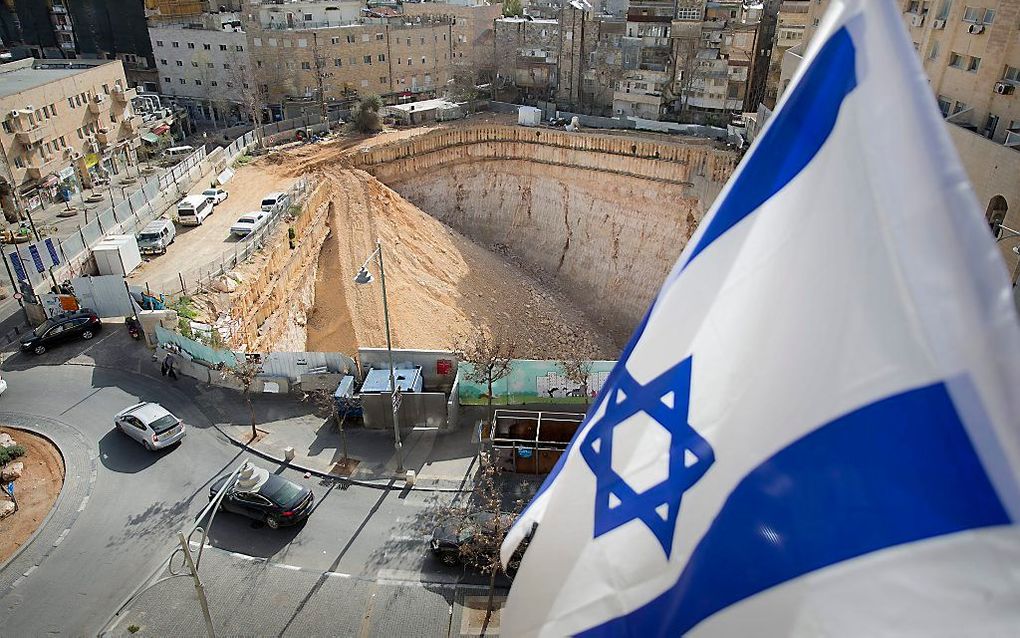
pixel 275 202
pixel 192 211
pixel 179 151
pixel 156 236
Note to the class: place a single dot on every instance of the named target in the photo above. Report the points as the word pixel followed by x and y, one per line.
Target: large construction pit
pixel 558 239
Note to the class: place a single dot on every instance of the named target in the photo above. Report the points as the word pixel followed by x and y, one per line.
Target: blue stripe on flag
pixel 797 132
pixel 899 470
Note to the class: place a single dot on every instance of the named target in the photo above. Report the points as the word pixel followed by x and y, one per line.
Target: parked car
pixel 3 385
pixel 215 195
pixel 250 222
pixel 275 202
pixel 192 210
pixel 66 326
pixel 156 236
pixel 150 424
pixel 454 535
pixel 266 497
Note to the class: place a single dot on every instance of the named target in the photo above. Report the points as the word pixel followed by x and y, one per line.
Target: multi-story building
pixel 472 29
pixel 324 50
pixel 97 29
pixel 63 125
pixel 526 55
pixel 646 89
pixel 791 29
pixel 202 63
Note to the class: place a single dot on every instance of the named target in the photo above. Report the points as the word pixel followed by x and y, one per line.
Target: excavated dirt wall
pixel 604 216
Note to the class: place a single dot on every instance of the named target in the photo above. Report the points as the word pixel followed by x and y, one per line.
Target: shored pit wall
pixel 602 216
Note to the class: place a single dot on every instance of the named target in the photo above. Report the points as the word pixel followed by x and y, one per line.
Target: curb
pixel 389 484
pixel 60 497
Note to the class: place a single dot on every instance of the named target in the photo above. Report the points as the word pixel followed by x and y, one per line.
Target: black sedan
pixel 80 324
pixel 460 536
pixel 277 501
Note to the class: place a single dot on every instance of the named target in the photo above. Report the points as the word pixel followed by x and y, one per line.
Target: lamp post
pixel 364 277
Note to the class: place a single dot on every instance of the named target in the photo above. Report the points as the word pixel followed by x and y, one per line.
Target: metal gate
pixel 106 294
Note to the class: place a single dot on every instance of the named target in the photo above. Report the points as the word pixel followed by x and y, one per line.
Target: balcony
pixel 96 104
pixel 31 136
pixel 104 136
pixel 130 124
pixel 58 8
pixel 120 95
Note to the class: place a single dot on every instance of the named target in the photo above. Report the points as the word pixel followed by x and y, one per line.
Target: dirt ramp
pixel 440 284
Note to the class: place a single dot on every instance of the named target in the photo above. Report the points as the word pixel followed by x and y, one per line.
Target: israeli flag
pixel 814 431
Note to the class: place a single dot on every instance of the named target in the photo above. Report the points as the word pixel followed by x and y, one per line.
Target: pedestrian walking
pixel 168 365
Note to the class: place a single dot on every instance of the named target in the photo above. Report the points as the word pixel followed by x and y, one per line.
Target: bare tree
pixel 326 405
pixel 578 370
pixel 245 373
pixel 491 355
pixel 251 79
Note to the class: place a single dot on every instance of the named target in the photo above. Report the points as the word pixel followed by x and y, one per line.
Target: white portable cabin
pixel 529 116
pixel 117 255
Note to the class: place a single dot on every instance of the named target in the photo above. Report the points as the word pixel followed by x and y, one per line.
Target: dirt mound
pixel 440 285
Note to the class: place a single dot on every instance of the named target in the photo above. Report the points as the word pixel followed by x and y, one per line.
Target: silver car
pixel 150 424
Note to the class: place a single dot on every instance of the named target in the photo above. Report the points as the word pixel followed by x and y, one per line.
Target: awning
pixel 162 128
pixel 150 138
pixel 50 180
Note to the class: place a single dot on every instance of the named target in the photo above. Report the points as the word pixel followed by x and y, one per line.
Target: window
pixel 956 60
pixel 973 63
pixel 230 85
pixel 163 62
pixel 364 83
pixel 423 59
pixel 223 47
pixel 239 48
pixel 409 62
pixel 379 36
pixel 352 60
pixel 175 45
pixel 1011 74
pixel 933 52
pixel 307 17
pixel 367 59
pixel 194 64
pixel 364 37
pixel 7 127
pixel 272 43
pixel 691 13
pixel 214 83
pixel 63 142
pixel 183 81
pixel 350 39
pixel 337 62
pixel 198 82
pixel 960 106
pixel 70 102
pixel 409 42
pixel 423 39
pixel 226 65
pixel 191 45
pixel 382 57
pixel 19 162
pixel 306 66
pixel 979 15
pixel 382 79
pixel 302 43
pixel 210 65
pixel 166 80
pixel 179 63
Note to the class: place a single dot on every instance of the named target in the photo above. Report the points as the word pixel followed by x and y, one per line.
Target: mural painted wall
pixel 533 382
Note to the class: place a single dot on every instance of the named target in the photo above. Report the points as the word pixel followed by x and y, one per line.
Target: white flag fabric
pixel 814 431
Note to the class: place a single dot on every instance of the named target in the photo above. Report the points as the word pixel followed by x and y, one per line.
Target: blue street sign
pixel 53 252
pixel 524 453
pixel 37 258
pixel 19 268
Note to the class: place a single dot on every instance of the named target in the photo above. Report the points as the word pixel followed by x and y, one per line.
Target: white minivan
pixel 275 202
pixel 192 211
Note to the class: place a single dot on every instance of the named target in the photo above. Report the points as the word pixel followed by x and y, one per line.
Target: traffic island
pixel 37 477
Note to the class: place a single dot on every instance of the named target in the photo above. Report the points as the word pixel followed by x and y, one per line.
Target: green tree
pixel 513 8
pixel 366 114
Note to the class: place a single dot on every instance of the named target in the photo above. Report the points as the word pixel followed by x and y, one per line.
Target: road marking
pixel 17 581
pixel 30 570
pixel 339 575
pixel 290 567
pixel 63 535
pixel 247 557
pixel 84 502
pixel 109 334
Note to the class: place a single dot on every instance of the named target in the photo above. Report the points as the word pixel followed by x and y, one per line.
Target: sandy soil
pixel 196 247
pixel 37 490
pixel 441 286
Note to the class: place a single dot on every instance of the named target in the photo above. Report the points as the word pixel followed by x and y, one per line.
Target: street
pixel 127 524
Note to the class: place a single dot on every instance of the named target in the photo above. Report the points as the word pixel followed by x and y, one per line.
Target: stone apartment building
pixel 201 62
pixel 527 59
pixel 296 55
pixel 795 16
pixel 472 30
pixel 714 57
pixel 63 125
pixel 646 86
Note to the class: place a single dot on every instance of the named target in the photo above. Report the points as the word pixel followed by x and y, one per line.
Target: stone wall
pixel 604 217
pixel 270 306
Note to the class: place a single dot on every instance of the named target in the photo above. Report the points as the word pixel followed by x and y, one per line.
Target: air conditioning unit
pixel 940 24
pixel 1004 88
pixel 916 21
pixel 976 28
pixel 13 114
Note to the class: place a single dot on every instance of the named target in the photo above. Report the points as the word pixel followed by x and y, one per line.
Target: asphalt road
pixel 141 499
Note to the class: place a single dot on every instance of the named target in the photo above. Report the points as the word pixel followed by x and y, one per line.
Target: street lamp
pixel 364 277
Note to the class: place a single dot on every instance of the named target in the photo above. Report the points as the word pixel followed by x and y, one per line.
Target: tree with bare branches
pixel 491 354
pixel 325 404
pixel 578 370
pixel 244 374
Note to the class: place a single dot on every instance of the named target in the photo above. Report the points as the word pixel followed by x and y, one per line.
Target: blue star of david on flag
pixel 661 403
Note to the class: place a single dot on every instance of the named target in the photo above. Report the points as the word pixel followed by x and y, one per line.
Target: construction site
pixel 557 239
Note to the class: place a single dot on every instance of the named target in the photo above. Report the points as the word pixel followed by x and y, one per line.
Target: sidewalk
pixel 440 459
